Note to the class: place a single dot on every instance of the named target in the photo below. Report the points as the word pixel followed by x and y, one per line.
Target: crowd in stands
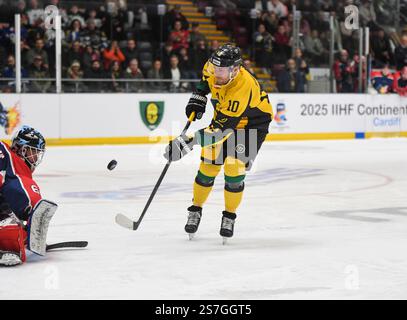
pixel 120 41
pixel 103 41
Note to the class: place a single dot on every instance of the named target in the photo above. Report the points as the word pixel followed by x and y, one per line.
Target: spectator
pixel 326 5
pixel 130 52
pixel 25 27
pixel 270 21
pixel 25 48
pixel 95 72
pixel 367 13
pixel 74 72
pixel 21 7
pixel 175 73
pixel 308 12
pixel 37 51
pixel 38 71
pixel 201 55
pixel 113 54
pixel 141 17
pixel 282 48
pixel 186 64
pixel 166 53
pixel 89 55
pixel 260 5
pixel 400 83
pixel 10 69
pixel 400 54
pixel 74 54
pixel 178 37
pixel 175 15
pixel 383 81
pixel 305 28
pixel 263 47
pixel 156 72
pixel 323 37
pixel 314 48
pixel 133 72
pixel 288 24
pixel 214 46
pixel 355 73
pixel 343 71
pixel 247 64
pixel 195 35
pixel 116 73
pixel 278 8
pixel 35 12
pixel 117 25
pixel 75 32
pixel 75 14
pixel 3 55
pixel 381 49
pixel 290 80
pixel 321 22
pixel 302 66
pixel 91 35
pixel 93 16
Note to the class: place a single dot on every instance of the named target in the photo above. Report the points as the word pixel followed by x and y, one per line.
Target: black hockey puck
pixel 112 164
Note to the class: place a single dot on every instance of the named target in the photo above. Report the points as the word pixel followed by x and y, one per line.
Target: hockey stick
pixel 68 244
pixel 128 223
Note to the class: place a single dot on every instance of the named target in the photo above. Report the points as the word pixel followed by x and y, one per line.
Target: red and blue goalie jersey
pixel 18 190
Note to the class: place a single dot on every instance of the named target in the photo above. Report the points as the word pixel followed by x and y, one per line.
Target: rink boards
pixel 85 119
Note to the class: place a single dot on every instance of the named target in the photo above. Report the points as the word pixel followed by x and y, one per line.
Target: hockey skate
pixel 194 218
pixel 8 258
pixel 227 226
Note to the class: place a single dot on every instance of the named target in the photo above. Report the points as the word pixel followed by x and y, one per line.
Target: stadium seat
pixel 146 56
pixel 146 65
pixel 144 46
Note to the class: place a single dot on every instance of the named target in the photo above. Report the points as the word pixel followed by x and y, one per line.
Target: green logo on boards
pixel 152 113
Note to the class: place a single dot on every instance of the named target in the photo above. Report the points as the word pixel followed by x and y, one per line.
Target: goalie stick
pixel 68 244
pixel 128 223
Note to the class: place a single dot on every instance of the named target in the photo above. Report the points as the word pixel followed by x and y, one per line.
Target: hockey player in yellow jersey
pixel 242 114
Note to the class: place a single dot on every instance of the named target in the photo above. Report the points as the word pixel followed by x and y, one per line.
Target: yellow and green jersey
pixel 241 104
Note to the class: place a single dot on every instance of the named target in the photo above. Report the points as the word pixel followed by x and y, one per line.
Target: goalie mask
pixel 224 64
pixel 29 144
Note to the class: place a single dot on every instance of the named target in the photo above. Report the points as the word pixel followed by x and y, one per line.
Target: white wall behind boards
pixel 119 115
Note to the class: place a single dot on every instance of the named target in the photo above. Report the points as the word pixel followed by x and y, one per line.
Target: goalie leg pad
pixel 12 237
pixel 38 226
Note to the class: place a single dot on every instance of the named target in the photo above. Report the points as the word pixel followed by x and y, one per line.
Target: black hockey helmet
pixel 29 144
pixel 226 55
pixel 223 63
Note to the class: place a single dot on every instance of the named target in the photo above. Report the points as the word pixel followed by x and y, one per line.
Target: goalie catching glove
pixel 179 147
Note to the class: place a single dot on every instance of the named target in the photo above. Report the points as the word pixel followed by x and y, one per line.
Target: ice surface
pixel 320 219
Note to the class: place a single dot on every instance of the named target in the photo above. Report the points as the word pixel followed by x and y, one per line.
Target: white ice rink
pixel 321 219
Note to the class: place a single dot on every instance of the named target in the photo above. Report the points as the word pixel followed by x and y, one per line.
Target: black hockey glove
pixel 179 147
pixel 197 104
